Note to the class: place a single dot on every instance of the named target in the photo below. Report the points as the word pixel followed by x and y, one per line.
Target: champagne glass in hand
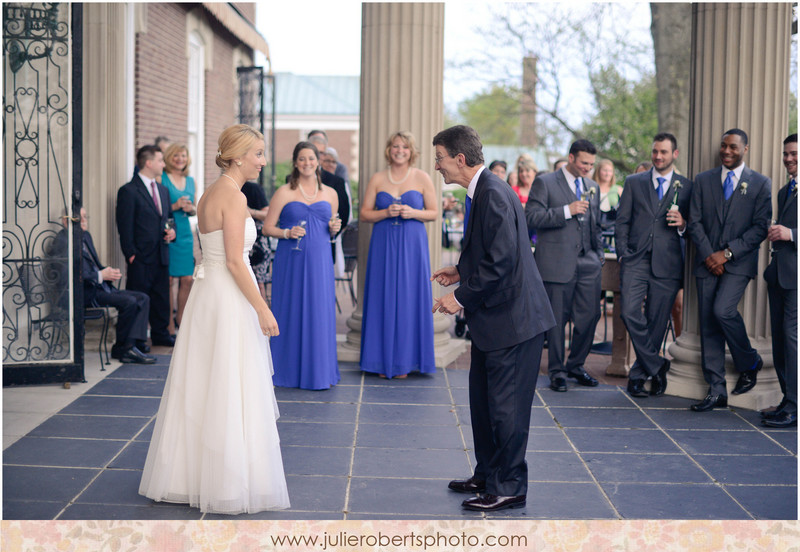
pixel 302 224
pixel 169 225
pixel 397 201
pixel 334 218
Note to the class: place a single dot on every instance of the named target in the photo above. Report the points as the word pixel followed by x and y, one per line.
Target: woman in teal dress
pixel 181 257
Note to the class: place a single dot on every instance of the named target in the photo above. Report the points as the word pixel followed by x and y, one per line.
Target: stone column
pixel 107 150
pixel 402 68
pixel 740 78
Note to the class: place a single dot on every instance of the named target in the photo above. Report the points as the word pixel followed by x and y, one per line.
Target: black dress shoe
pixel 584 379
pixel 168 341
pixel 710 403
pixel 658 385
pixel 135 356
pixel 490 502
pixel 558 384
pixel 774 413
pixel 470 485
pixel 747 380
pixel 784 419
pixel 636 388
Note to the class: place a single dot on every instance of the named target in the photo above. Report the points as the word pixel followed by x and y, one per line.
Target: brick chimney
pixel 528 134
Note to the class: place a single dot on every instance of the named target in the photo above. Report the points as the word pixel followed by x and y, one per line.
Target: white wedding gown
pixel 215 444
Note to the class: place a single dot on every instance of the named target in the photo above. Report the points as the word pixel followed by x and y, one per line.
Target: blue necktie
pixel 467 206
pixel 661 181
pixel 578 188
pixel 792 186
pixel 727 187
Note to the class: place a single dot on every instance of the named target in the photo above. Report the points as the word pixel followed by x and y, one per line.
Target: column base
pixel 446 348
pixel 686 380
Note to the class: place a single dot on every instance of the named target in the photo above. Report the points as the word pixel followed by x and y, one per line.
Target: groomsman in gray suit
pixel 651 220
pixel 728 219
pixel 564 209
pixel 781 277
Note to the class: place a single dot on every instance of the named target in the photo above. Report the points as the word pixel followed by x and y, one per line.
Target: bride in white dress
pixel 215 444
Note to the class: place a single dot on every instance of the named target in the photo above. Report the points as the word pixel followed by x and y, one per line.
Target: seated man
pixel 133 306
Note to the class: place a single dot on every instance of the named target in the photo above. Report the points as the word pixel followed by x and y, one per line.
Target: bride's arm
pixel 234 214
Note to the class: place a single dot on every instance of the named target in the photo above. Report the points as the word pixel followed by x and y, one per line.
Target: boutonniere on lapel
pixel 677 185
pixel 743 188
pixel 591 192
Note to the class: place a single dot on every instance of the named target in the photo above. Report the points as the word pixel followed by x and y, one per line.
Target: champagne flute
pixel 302 224
pixel 169 225
pixel 397 201
pixel 334 218
pixel 773 222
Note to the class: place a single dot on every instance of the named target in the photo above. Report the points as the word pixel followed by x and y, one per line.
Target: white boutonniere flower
pixel 743 187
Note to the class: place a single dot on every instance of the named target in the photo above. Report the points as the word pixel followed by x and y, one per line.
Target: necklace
pixel 389 176
pixel 308 197
pixel 232 180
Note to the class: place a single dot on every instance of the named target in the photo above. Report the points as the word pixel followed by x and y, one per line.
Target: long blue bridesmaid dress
pixel 304 302
pixel 397 327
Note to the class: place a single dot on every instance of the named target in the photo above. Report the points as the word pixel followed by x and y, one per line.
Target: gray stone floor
pixel 376 449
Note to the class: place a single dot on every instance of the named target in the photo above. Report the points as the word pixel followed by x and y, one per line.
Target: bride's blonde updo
pixel 234 142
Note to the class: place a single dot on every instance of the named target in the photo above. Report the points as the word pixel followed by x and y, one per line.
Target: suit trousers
pixel 577 300
pixel 153 280
pixel 720 322
pixel 502 384
pixel 783 317
pixel 646 308
pixel 133 308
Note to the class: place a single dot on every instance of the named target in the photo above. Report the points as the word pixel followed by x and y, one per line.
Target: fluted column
pixel 740 78
pixel 402 68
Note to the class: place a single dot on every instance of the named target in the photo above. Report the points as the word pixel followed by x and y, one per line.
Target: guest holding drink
pixel 181 260
pixel 303 300
pixel 397 327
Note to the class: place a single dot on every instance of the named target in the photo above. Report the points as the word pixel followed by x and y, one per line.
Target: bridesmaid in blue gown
pixel 397 326
pixel 303 295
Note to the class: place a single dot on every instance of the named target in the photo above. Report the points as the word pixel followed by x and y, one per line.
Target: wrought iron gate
pixel 41 154
pixel 251 112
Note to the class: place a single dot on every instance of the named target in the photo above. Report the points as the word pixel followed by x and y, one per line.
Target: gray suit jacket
pixel 742 228
pixel 558 241
pixel 782 270
pixel 641 230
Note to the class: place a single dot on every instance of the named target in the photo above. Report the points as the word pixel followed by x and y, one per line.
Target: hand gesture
pixel 334 225
pixel 297 232
pixel 110 274
pixel 169 235
pixel 446 276
pixel 269 326
pixel 578 207
pixel 778 232
pixel 446 304
pixel 674 218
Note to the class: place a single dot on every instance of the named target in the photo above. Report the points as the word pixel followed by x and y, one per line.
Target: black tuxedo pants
pixel 646 309
pixel 133 308
pixel 783 317
pixel 720 322
pixel 153 280
pixel 501 388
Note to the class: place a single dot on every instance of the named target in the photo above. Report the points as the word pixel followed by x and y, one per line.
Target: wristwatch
pixel 728 253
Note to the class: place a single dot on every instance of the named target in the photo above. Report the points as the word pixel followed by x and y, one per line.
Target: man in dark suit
pixel 143 207
pixel 338 183
pixel 564 210
pixel 98 290
pixel 507 310
pixel 728 219
pixel 651 220
pixel 781 277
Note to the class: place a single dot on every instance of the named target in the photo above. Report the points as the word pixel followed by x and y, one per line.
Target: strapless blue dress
pixel 397 326
pixel 304 302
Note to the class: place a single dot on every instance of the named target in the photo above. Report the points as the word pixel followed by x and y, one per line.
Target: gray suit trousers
pixel 720 322
pixel 783 316
pixel 646 307
pixel 577 300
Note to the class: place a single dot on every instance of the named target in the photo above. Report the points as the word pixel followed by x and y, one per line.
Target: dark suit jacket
pixel 782 269
pixel 641 230
pixel 90 266
pixel 742 229
pixel 140 226
pixel 502 293
pixel 558 240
